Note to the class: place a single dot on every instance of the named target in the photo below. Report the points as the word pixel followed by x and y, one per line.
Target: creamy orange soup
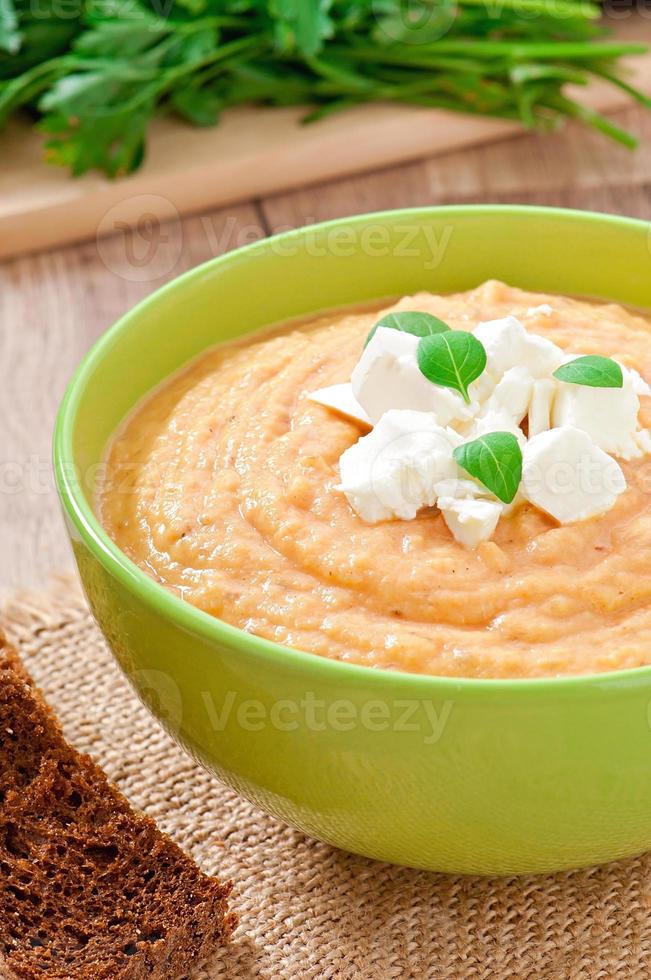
pixel 221 486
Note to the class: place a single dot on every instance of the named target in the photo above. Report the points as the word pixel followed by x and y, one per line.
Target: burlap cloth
pixel 307 910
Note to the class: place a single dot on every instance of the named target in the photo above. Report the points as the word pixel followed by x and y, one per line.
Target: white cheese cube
pixel 386 340
pixel 640 386
pixel 568 476
pixel 500 421
pixel 342 400
pixel 511 395
pixel 387 377
pixel 393 471
pixel 481 389
pixel 540 406
pixel 608 415
pixel 465 489
pixel 508 345
pixel 643 441
pixel 470 521
pixel 462 488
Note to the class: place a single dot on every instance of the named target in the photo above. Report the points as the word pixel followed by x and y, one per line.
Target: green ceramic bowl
pixel 478 776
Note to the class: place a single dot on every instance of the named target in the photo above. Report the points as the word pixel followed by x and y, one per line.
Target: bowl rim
pixel 162 601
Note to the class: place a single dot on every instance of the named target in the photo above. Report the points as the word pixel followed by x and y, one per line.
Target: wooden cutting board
pixel 253 152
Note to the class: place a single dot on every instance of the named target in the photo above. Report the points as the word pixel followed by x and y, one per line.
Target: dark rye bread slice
pixel 89 889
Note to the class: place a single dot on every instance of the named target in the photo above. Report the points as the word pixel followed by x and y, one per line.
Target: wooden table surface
pixel 54 305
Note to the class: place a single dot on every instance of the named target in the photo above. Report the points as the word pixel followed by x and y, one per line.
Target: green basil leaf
pixel 496 461
pixel 420 324
pixel 453 359
pixel 593 371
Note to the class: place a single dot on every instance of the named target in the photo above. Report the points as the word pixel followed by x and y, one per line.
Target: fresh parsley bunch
pixel 94 72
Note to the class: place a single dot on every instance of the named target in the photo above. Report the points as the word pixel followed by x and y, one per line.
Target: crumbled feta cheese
pixel 541 356
pixel 341 399
pixel 640 386
pixel 500 421
pixel 643 441
pixel 568 476
pixel 470 521
pixel 508 345
pixel 540 406
pixel 393 471
pixel 511 395
pixel 608 415
pixel 387 377
pixel 407 463
pixel 465 488
pixel 476 491
pixel 544 310
pixel 462 488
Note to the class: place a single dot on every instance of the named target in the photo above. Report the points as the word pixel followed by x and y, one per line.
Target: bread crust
pixel 90 889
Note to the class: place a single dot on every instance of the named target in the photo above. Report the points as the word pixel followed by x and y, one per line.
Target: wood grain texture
pixel 558 169
pixel 54 305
